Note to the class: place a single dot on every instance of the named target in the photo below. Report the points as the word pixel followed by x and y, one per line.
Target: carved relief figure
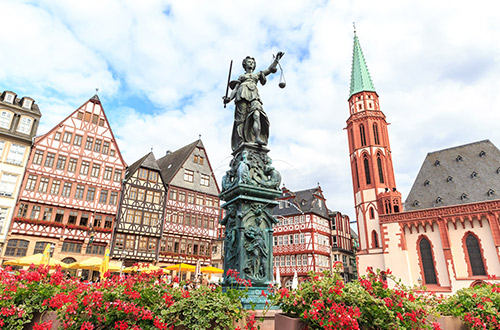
pixel 251 124
pixel 256 251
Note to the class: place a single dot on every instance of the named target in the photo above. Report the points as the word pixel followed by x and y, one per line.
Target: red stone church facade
pixel 447 235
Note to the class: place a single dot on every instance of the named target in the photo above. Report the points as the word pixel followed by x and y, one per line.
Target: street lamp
pixel 51 251
pixel 419 283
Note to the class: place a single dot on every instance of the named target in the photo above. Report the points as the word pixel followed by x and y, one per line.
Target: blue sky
pixel 161 69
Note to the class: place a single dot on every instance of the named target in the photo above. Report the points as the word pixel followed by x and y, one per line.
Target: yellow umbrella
pixel 46 254
pixel 104 264
pixel 143 269
pixel 94 263
pixel 36 260
pixel 211 270
pixel 182 267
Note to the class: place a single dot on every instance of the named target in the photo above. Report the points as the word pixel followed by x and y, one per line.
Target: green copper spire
pixel 360 77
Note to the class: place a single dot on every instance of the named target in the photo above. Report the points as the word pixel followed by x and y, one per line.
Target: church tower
pixel 373 180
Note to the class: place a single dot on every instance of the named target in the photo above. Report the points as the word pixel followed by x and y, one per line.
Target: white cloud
pixel 435 66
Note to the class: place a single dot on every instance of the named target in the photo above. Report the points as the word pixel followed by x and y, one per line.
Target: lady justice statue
pixel 251 124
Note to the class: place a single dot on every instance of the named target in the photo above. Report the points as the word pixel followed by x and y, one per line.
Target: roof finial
pixel 151 148
pixel 199 136
pixel 354 26
pixel 96 90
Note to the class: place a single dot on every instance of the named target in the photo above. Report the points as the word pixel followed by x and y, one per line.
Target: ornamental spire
pixel 360 77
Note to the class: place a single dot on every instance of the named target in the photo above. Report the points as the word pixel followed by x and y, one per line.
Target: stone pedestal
pixel 249 189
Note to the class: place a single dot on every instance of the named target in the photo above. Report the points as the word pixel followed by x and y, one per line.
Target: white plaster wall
pixel 485 241
pixel 437 251
pixel 374 260
pixel 396 259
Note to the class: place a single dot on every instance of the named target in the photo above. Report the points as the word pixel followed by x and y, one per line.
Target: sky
pixel 161 68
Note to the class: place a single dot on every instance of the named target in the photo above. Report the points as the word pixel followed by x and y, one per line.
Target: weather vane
pixel 354 26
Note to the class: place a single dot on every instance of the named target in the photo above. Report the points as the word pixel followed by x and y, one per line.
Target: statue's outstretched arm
pixel 273 67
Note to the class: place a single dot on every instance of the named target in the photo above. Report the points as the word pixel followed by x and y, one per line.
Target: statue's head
pixel 248 63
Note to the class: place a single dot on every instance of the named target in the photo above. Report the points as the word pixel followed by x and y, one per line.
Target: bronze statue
pixel 251 124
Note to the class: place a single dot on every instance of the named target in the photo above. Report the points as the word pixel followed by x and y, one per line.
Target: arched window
pixel 374 239
pixel 375 133
pixel 356 171
pixel 475 257
pixel 372 213
pixel 427 261
pixel 379 166
pixel 367 170
pixel 352 138
pixel 362 135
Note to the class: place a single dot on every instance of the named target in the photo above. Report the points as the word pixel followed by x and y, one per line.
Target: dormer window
pixel 9 97
pixel 27 103
pixel 482 153
pixel 439 200
pixel 24 125
pixel 437 163
pixel 491 192
pixel 427 183
pixel 459 158
pixel 464 196
pixel 449 179
pixel 473 175
pixel 5 119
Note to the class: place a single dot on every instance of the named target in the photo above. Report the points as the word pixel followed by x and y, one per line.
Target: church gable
pixel 465 174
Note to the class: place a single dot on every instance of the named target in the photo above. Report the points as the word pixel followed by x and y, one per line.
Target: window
pixel 31 182
pixel 90 194
pixel 367 170
pixel 44 184
pixel 49 160
pixel 95 119
pixel 5 118
pixel 372 213
pixel 427 261
pixel 24 125
pixel 61 162
pixel 84 220
pixel 153 176
pixel 72 164
pixel 296 238
pixel 67 137
pixel 140 194
pixel 190 198
pixel 3 215
pixel 137 216
pixel 96 249
pixel 205 180
pixel 143 174
pixel 379 166
pixel 118 175
pixel 119 241
pixel 304 260
pixel 105 147
pixel 375 133
pixel 188 175
pixel 84 169
pixel 362 135
pixel 108 222
pixel 130 242
pixel 79 115
pixel 156 197
pixel 97 221
pixel 302 238
pixel 72 217
pixel 66 189
pixel 375 239
pixel 40 247
pixel 72 247
pixel 103 198
pixel 96 170
pixel 149 196
pixel 89 143
pixel 97 145
pixel 182 196
pixel 355 164
pixel 78 140
pixel 113 198
pixel 146 219
pixel 59 216
pixel 79 191
pixel 23 210
pixel 57 136
pixel 16 248
pixel 107 173
pixel 475 257
pixel 35 212
pixel 16 154
pixel 199 200
pixel 37 159
pixel 7 184
pixel 111 152
pixel 47 214
pixel 56 185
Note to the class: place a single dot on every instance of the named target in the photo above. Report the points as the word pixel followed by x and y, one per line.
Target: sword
pixel 228 79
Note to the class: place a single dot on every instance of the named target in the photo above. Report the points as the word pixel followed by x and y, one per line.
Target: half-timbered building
pixel 192 207
pixel 70 190
pixel 342 245
pixel 19 119
pixel 302 237
pixel 140 219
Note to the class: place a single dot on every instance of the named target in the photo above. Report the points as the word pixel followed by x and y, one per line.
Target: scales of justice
pixel 251 185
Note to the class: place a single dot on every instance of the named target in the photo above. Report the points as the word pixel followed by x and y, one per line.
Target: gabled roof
pixel 147 161
pixel 307 201
pixel 171 163
pixel 461 175
pixel 360 77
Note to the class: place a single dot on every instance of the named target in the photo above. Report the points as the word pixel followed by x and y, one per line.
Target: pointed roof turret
pixel 360 77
